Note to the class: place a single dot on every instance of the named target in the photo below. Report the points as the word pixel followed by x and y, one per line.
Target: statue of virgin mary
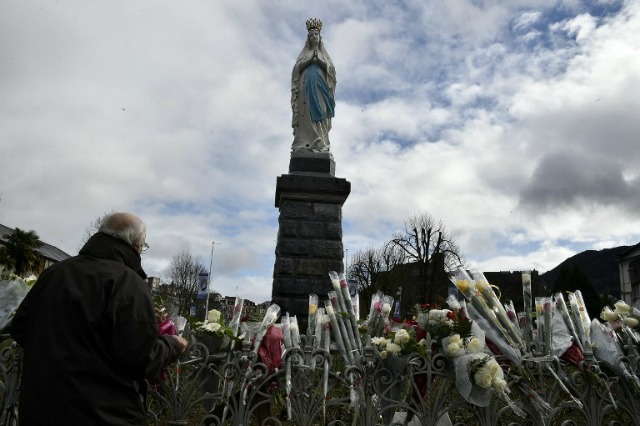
pixel 313 86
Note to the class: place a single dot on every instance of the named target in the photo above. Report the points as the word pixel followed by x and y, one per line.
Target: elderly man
pixel 90 335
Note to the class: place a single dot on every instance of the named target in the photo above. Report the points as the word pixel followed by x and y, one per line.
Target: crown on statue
pixel 314 24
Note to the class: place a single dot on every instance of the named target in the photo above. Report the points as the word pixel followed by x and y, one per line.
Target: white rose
pixel 381 342
pixel 401 337
pixel 213 316
pixel 608 315
pixel 392 348
pixel 455 338
pixel 630 321
pixel 499 384
pixel 493 367
pixel 452 349
pixel 453 303
pixel 475 345
pixel 386 308
pixel 436 315
pixel 622 308
pixel 483 377
pixel 383 354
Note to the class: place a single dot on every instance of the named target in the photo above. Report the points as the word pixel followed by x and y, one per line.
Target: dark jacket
pixel 90 336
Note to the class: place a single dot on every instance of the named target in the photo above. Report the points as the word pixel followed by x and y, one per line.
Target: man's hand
pixel 182 342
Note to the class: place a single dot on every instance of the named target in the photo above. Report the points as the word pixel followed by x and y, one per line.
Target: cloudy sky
pixel 515 122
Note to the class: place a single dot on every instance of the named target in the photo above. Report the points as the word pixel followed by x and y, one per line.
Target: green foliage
pixel 20 252
pixel 461 326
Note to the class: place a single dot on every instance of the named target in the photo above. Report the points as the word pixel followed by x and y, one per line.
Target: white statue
pixel 313 86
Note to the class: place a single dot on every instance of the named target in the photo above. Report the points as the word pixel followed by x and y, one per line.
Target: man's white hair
pixel 124 226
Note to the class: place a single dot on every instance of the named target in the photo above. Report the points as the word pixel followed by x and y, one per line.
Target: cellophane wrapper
pixel 606 348
pixel 286 331
pixel 237 314
pixel 563 340
pixel 311 324
pixel 527 307
pixel 295 331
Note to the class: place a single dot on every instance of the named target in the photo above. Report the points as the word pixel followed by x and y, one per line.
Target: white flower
pixel 383 354
pixel 493 367
pixel 381 342
pixel 454 303
pixel 212 326
pixel 423 342
pixel 608 315
pixel 622 308
pixel 483 377
pixel 630 321
pixel 213 316
pixel 436 315
pixel 499 384
pixel 329 309
pixel 475 345
pixel 386 308
pixel 402 337
pixel 455 338
pixel 392 348
pixel 453 350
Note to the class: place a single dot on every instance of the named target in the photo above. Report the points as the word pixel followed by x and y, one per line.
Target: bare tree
pixel 427 245
pixel 375 270
pixel 182 273
pixel 90 229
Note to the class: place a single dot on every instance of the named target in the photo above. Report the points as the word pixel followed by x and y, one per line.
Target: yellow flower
pixel 463 285
pixel 313 308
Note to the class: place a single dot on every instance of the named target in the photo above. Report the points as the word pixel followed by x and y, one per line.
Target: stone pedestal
pixel 310 200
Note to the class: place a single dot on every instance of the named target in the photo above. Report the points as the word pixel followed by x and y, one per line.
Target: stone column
pixel 310 200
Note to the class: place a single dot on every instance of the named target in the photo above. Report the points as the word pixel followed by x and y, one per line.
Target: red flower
pixel 452 315
pixel 428 306
pixel 573 355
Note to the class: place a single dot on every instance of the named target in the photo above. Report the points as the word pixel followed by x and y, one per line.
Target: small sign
pixel 203 285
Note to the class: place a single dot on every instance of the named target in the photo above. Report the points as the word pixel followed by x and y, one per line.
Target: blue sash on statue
pixel 315 86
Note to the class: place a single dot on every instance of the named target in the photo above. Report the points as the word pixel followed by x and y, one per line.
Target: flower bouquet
pixel 395 349
pixel 214 333
pixel 478 374
pixel 608 349
pixel 625 323
pixel 565 341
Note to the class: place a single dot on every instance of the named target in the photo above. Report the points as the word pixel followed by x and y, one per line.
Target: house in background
pixel 49 253
pixel 629 266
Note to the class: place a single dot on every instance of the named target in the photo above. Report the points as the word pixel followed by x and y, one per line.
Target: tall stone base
pixel 309 245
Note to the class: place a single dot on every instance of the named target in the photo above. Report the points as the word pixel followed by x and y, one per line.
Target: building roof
pixel 46 250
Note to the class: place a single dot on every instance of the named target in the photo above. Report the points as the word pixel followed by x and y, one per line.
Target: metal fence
pixel 314 387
